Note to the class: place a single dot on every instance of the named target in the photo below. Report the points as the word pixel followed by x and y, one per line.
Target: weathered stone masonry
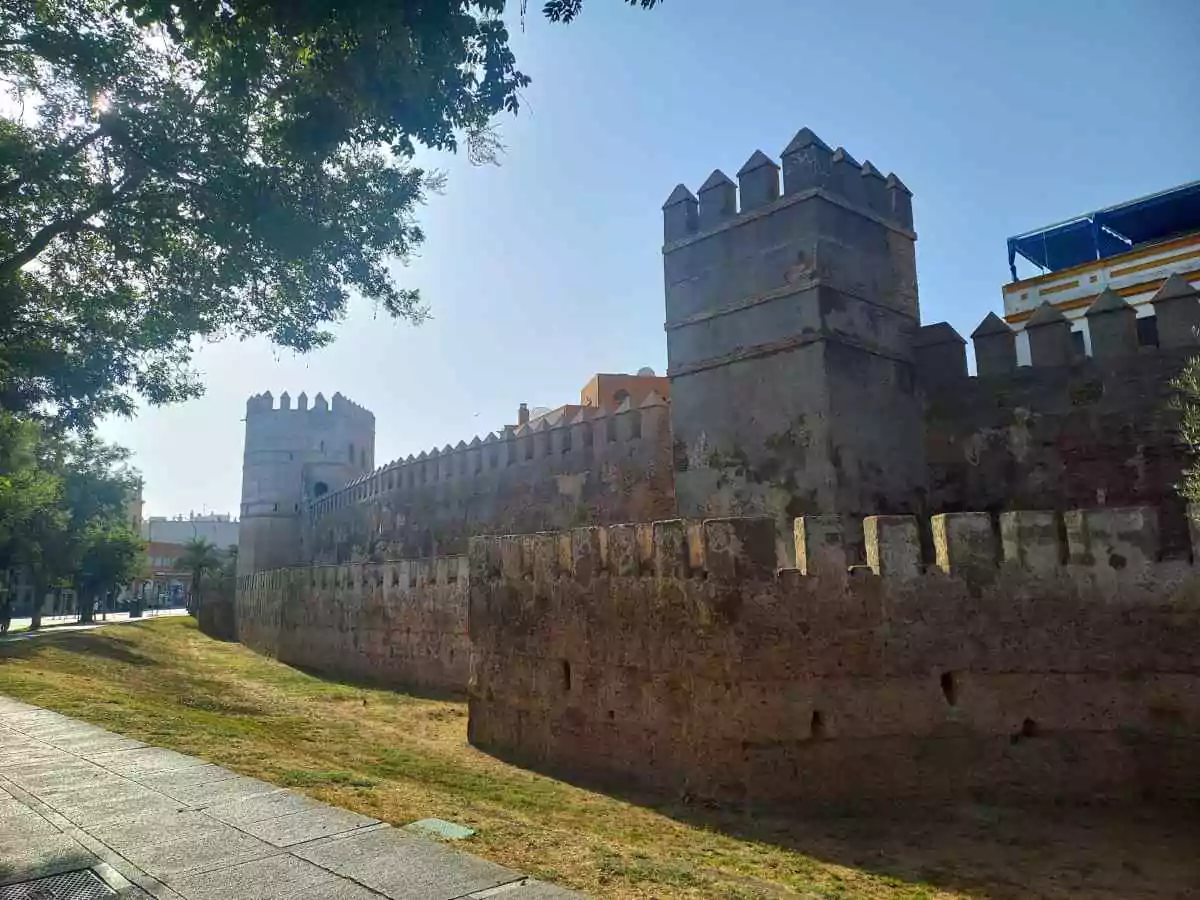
pixel 603 466
pixel 674 656
pixel 395 624
pixel 1093 431
pixel 790 326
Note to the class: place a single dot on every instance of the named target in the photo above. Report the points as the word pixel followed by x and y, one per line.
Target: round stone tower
pixel 293 456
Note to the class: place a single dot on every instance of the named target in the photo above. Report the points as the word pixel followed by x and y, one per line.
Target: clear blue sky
pixel 1001 117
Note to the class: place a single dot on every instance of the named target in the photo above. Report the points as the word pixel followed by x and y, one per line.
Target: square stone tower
pixel 790 325
pixel 292 457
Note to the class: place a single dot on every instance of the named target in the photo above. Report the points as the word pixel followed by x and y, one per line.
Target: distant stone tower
pixel 790 327
pixel 292 456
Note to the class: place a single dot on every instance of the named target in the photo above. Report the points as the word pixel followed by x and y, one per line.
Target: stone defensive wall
pixel 396 624
pixel 596 467
pixel 1071 429
pixel 1039 655
pixel 1087 434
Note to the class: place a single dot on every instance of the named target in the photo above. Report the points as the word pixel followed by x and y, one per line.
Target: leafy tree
pixel 567 10
pixel 98 480
pixel 174 169
pixel 45 550
pixel 199 557
pixel 32 519
pixel 55 491
pixel 112 556
pixel 27 487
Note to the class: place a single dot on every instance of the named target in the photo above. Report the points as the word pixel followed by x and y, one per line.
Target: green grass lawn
pixel 400 758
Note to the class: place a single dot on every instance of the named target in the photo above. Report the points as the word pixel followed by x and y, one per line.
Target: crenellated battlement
pixel 401 623
pixel 1111 325
pixel 594 433
pixel 809 168
pixel 1033 657
pixel 401 577
pixel 293 453
pixel 341 406
pixel 803 273
pixel 1106 547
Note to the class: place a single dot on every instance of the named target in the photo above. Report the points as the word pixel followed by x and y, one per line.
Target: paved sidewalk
pixel 139 821
pixel 19 628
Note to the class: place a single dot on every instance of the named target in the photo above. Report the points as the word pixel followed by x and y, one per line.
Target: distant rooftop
pixel 1111 231
pixel 194 517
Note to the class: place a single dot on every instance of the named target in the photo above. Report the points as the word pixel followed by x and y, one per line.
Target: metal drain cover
pixel 82 885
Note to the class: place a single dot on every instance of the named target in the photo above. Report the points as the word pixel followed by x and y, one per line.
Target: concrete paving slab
pixel 143 760
pixel 50 730
pixel 13 757
pixel 193 854
pixel 18 739
pixel 9 738
pixel 24 857
pixel 73 783
pixel 19 721
pixel 28 743
pixel 164 782
pixel 31 721
pixel 228 789
pixel 18 819
pixel 97 743
pixel 269 806
pixel 302 827
pixel 34 769
pixel 151 830
pixel 111 789
pixel 30 770
pixel 115 806
pixel 274 878
pixel 400 865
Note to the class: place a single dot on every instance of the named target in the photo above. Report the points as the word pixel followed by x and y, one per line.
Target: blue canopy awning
pixel 1108 232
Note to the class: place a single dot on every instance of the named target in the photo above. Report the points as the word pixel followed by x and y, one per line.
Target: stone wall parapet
pixel 810 168
pixel 265 402
pixel 1108 545
pixel 1034 656
pixel 566 445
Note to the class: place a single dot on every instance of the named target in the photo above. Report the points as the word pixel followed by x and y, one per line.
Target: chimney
pixel 523 414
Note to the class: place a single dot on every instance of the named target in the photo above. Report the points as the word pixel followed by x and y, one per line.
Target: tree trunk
pixel 87 606
pixel 39 598
pixel 6 602
pixel 5 599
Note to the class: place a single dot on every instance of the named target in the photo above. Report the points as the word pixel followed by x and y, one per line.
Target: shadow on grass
pixel 419 692
pixel 85 643
pixel 46 625
pixel 983 850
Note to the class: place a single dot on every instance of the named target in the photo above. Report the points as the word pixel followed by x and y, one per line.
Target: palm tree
pixel 199 556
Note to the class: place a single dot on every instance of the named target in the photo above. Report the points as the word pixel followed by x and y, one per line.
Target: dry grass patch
pixel 400 758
